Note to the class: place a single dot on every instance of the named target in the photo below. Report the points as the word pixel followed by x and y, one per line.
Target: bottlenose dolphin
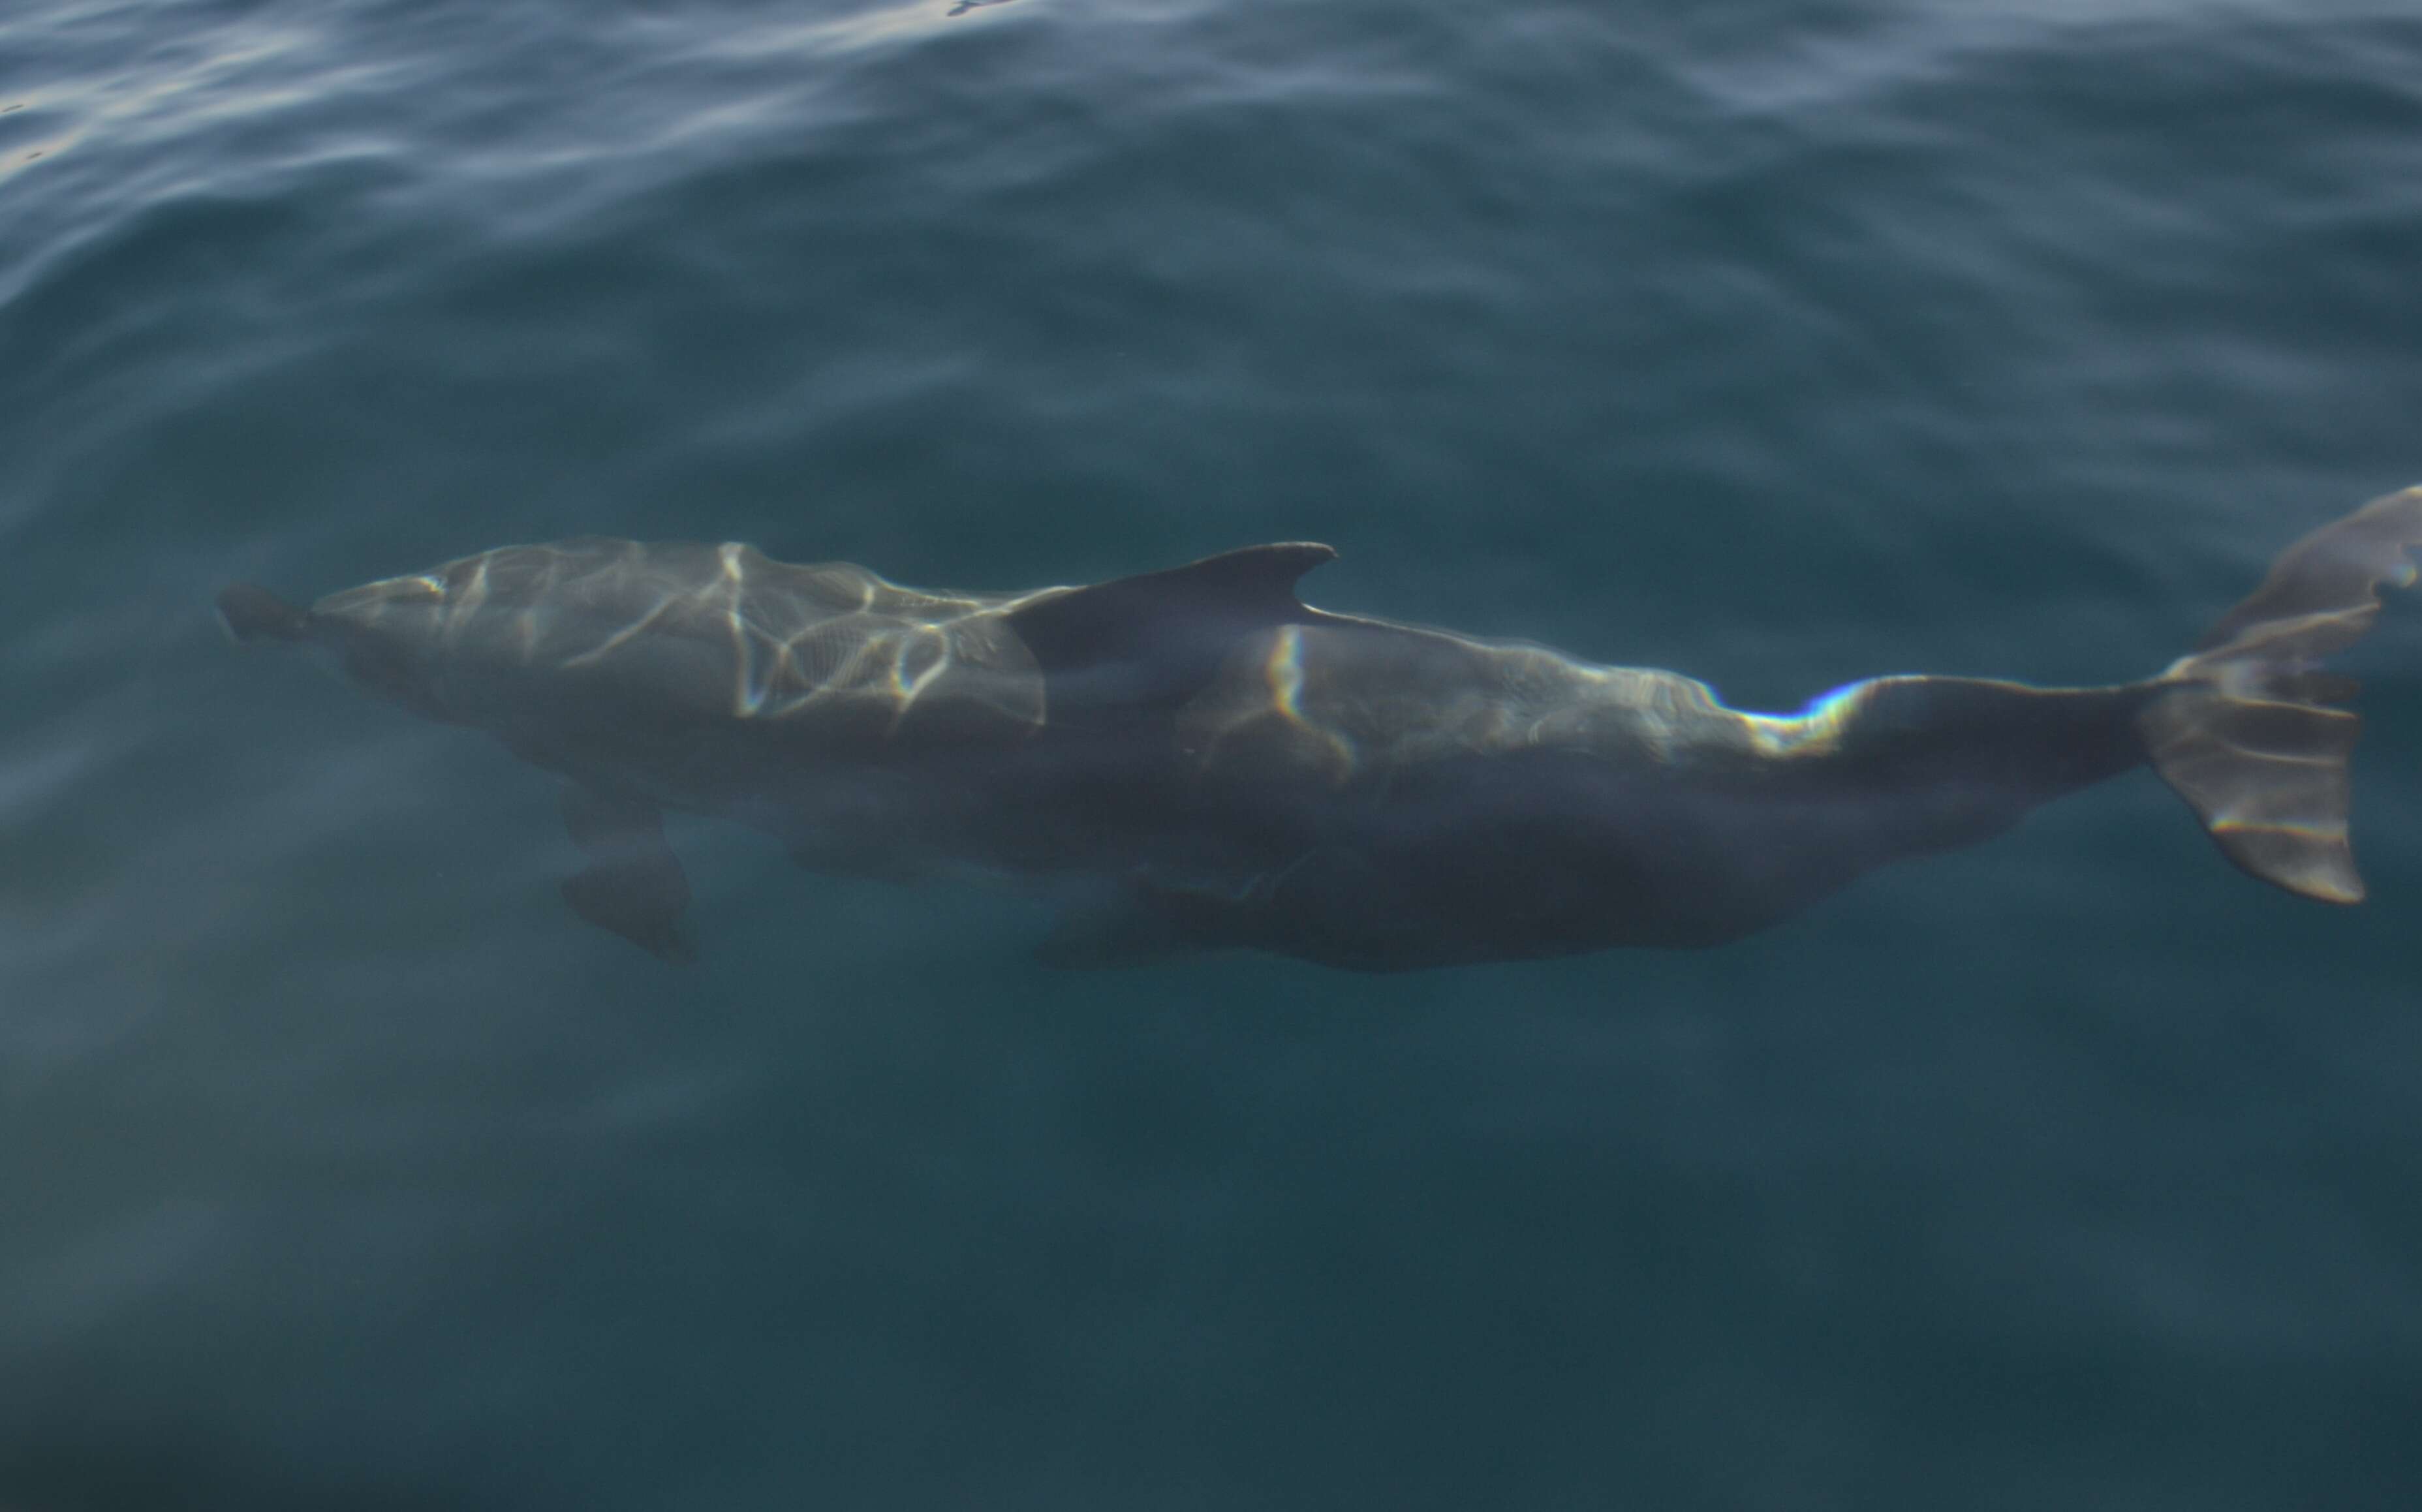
pixel 1231 767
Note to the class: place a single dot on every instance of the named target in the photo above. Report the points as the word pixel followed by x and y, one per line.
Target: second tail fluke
pixel 2247 731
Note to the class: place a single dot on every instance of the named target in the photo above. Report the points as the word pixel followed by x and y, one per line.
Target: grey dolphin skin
pixel 1204 762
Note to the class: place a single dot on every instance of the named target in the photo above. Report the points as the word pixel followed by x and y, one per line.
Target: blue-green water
pixel 1783 344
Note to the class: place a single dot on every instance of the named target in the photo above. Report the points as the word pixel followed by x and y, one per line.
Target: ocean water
pixel 1780 343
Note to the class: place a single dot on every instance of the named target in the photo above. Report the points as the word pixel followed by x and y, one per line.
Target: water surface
pixel 1782 345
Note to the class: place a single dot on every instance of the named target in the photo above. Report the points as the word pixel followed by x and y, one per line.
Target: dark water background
pixel 1779 344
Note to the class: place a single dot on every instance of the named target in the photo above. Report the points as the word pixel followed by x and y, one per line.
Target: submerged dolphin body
pixel 1232 768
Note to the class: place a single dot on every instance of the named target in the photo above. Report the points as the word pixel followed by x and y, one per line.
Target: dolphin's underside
pixel 1212 762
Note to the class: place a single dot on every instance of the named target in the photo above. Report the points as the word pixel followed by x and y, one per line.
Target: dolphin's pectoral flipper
pixel 2243 731
pixel 634 883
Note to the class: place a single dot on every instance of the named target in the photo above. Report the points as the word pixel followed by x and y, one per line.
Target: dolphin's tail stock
pixel 253 613
pixel 2246 731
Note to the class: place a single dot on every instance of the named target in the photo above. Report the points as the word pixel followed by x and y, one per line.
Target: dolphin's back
pixel 830 657
pixel 1340 698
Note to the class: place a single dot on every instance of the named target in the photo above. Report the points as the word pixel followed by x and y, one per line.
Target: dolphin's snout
pixel 386 636
pixel 373 603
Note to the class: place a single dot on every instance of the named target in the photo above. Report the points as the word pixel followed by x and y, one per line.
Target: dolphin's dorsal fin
pixel 1175 613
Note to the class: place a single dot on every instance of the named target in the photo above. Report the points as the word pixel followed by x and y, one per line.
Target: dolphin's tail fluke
pixel 253 613
pixel 2246 731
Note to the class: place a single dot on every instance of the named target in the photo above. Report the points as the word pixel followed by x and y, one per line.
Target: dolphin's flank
pixel 1206 761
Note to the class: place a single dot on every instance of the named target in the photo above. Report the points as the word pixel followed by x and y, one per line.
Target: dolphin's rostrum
pixel 1222 767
